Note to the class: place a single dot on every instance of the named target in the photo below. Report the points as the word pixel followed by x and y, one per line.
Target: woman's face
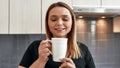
pixel 59 21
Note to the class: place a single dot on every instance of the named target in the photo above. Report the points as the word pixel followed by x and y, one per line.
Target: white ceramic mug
pixel 59 48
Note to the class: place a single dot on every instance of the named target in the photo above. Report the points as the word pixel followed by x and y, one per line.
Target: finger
pixel 65 65
pixel 43 57
pixel 43 51
pixel 46 54
pixel 67 60
pixel 44 44
pixel 46 50
pixel 50 52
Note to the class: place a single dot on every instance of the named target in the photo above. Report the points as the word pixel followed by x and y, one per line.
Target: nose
pixel 60 22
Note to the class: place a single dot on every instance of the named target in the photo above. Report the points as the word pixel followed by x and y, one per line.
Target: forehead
pixel 59 11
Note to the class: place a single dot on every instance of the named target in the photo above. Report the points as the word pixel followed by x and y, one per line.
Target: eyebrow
pixel 61 15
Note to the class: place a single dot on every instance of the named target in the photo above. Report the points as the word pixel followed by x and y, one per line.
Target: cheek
pixel 50 26
pixel 69 26
pixel 70 23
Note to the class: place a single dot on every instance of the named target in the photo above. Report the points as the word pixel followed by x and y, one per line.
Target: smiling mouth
pixel 59 29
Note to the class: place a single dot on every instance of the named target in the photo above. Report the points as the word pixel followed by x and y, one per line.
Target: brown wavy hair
pixel 73 50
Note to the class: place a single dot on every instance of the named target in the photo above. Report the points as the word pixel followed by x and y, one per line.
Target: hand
pixel 67 63
pixel 43 51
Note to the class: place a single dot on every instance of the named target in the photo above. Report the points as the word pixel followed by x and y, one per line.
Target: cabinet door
pixel 4 16
pixel 87 3
pixel 45 5
pixel 111 3
pixel 25 16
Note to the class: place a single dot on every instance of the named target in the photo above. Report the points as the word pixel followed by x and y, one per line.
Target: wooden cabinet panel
pixel 25 16
pixel 97 3
pixel 111 3
pixel 4 16
pixel 87 3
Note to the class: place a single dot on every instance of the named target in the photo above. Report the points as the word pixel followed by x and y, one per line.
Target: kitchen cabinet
pixel 45 5
pixel 4 16
pixel 87 3
pixel 116 24
pixel 25 17
pixel 97 3
pixel 111 3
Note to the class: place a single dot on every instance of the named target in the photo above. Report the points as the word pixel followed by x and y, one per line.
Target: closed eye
pixel 65 18
pixel 53 19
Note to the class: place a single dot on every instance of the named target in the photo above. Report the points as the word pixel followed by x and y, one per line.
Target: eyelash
pixel 65 19
pixel 53 20
pixel 62 19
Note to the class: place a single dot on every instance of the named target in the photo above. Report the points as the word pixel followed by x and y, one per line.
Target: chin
pixel 61 36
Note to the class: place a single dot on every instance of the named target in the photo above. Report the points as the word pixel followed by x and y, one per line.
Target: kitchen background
pixel 22 22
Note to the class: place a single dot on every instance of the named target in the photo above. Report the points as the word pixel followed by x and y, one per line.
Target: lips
pixel 59 29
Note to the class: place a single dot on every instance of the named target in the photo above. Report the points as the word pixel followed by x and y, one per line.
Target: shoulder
pixel 86 55
pixel 82 46
pixel 84 49
pixel 34 44
pixel 31 54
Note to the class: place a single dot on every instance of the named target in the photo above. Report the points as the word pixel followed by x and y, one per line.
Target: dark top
pixel 31 55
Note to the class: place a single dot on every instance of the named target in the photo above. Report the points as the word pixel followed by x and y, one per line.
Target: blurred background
pixel 98 26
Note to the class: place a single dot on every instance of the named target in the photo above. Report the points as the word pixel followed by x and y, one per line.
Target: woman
pixel 60 22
